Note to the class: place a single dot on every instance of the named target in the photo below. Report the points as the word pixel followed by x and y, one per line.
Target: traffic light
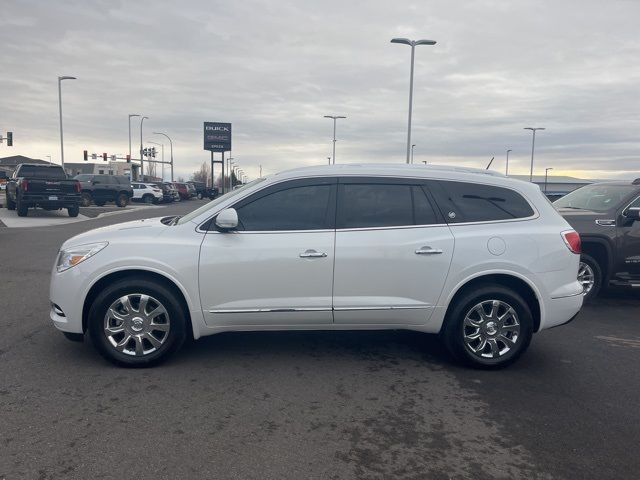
pixel 153 152
pixel 86 155
pixel 128 158
pixel 9 139
pixel 104 157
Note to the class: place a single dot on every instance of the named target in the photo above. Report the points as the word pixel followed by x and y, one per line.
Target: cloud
pixel 274 69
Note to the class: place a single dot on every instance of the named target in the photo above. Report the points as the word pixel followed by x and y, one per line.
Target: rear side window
pixel 365 205
pixel 35 171
pixel 471 202
pixel 297 208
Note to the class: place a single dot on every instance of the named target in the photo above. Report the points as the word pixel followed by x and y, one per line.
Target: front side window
pixel 296 208
pixel 364 205
pixel 473 202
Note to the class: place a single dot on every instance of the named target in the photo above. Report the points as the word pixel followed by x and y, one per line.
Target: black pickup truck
pixel 607 217
pixel 44 186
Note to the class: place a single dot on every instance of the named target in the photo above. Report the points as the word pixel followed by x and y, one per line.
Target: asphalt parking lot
pixel 308 405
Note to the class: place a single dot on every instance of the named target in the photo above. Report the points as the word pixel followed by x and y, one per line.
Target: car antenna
pixel 490 162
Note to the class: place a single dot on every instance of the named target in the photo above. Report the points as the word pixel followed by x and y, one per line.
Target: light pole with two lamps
pixel 334 117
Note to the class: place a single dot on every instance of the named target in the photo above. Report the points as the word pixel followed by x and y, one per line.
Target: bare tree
pixel 203 174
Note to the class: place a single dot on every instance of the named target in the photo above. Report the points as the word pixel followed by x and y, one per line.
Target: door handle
pixel 428 251
pixel 312 254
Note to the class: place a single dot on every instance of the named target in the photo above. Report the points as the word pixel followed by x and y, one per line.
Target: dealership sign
pixel 217 136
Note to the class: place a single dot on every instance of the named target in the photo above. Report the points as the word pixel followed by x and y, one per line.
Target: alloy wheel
pixel 491 329
pixel 586 277
pixel 136 324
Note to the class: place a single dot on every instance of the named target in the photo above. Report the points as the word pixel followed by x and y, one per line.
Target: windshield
pixel 213 203
pixel 597 198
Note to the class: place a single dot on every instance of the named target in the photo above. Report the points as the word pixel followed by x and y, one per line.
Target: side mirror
pixel 633 213
pixel 227 219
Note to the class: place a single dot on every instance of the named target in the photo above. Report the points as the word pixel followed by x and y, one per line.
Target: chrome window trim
pixel 629 205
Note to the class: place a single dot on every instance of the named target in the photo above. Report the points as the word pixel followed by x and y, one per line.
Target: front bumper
pixel 65 290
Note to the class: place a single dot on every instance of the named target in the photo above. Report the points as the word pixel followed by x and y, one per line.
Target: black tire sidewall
pixel 86 199
pixel 95 321
pixel 73 211
pixel 597 276
pixel 122 200
pixel 453 331
pixel 23 211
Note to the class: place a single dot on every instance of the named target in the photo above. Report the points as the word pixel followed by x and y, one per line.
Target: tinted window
pixel 35 171
pixel 422 209
pixel 297 208
pixel 83 177
pixel 472 202
pixel 375 205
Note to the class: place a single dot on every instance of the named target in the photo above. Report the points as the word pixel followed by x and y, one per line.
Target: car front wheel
pixel 488 327
pixel 136 322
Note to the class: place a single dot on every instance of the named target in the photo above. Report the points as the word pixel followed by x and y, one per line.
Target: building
pixel 8 164
pixel 102 168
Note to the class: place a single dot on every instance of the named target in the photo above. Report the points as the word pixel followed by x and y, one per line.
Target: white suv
pixel 146 192
pixel 483 260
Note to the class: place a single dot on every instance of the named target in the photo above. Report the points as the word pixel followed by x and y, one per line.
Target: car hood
pixel 148 227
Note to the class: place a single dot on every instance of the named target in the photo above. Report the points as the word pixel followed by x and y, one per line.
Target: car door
pixel 393 252
pixel 628 258
pixel 277 267
pixel 100 187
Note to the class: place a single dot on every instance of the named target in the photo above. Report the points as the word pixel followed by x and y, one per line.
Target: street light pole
pixel 60 79
pixel 546 173
pixel 506 171
pixel 412 44
pixel 229 163
pixel 170 150
pixel 412 152
pixel 141 149
pixel 334 117
pixel 533 146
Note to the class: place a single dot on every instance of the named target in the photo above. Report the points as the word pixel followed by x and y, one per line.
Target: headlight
pixel 72 256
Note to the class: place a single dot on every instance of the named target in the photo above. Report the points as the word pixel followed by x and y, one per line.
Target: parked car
pixel 41 185
pixel 167 196
pixel 202 191
pixel 191 189
pixel 102 188
pixel 607 217
pixel 172 189
pixel 481 259
pixel 146 192
pixel 183 191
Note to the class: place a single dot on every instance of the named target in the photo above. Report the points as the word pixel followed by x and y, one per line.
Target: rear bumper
pixel 560 311
pixel 61 201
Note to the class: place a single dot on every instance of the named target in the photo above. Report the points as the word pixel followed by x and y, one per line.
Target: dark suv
pixel 101 189
pixel 607 217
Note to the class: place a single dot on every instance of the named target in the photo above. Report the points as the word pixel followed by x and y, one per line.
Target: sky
pixel 275 68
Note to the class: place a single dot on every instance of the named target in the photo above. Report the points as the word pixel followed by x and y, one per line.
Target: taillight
pixel 572 240
pixel 77 187
pixel 24 185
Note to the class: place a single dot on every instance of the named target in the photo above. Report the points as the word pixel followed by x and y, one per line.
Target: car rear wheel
pixel 73 211
pixel 488 327
pixel 589 276
pixel 85 199
pixel 22 209
pixel 136 322
pixel 122 200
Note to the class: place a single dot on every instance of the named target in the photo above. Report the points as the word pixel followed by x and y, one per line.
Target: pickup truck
pixel 44 186
pixel 607 217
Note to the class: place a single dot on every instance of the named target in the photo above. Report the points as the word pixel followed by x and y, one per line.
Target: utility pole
pixel 141 150
pixel 533 147
pixel 60 79
pixel 546 174
pixel 506 170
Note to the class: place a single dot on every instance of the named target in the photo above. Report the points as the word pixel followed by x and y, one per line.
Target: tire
pixel 131 353
pixel 122 200
pixel 465 320
pixel 73 211
pixel 148 199
pixel 100 203
pixel 199 196
pixel 85 199
pixel 11 205
pixel 22 209
pixel 590 275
